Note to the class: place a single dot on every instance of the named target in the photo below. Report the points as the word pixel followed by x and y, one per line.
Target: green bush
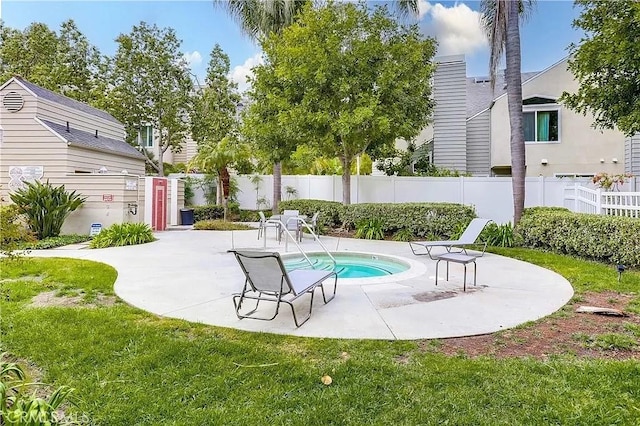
pixel 248 216
pixel 12 230
pixel 53 242
pixel 330 211
pixel 19 400
pixel 208 212
pixel 370 229
pixel 123 234
pixel 607 239
pixel 499 235
pixel 46 207
pixel 404 234
pixel 421 219
pixel 220 225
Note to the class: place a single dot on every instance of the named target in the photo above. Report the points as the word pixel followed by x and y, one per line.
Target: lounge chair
pixel 468 237
pixel 268 280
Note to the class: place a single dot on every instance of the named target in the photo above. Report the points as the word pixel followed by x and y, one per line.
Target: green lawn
pixel 130 367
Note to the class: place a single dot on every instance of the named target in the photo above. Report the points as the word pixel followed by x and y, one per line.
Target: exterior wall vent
pixel 13 101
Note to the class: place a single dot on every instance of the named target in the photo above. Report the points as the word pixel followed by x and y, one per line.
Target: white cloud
pixel 457 28
pixel 193 58
pixel 240 73
pixel 423 8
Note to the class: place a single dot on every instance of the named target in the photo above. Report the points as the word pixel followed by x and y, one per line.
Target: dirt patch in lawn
pixel 563 333
pixel 51 298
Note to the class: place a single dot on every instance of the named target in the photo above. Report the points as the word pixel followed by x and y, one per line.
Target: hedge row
pixel 441 220
pixel 603 238
pixel 330 211
pixel 208 212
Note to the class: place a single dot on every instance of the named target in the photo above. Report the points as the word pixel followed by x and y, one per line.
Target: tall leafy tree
pixel 151 85
pixel 606 62
pixel 258 19
pixel 214 121
pixel 215 105
pixel 66 63
pixel 501 23
pixel 347 80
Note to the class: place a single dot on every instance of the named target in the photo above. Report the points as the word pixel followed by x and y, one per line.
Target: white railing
pixel 596 201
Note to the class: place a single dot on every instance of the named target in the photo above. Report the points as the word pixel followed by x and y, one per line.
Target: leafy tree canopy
pixel 606 62
pixel 65 63
pixel 151 85
pixel 344 79
pixel 215 105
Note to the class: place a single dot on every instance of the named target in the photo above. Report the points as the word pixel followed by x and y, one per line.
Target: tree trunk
pixel 346 181
pixel 514 97
pixel 277 186
pixel 219 191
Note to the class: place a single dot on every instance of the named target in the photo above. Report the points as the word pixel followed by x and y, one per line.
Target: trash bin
pixel 186 216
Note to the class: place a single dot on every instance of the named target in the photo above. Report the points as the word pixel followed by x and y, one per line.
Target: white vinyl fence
pixel 596 201
pixel 490 196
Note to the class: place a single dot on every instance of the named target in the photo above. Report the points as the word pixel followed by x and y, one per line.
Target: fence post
pixel 599 201
pixel 541 191
pixel 575 197
pixel 393 187
pixel 462 190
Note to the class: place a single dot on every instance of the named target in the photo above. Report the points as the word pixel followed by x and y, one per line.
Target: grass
pixel 130 367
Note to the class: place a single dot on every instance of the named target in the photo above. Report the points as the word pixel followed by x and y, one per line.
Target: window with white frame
pixel 146 136
pixel 541 120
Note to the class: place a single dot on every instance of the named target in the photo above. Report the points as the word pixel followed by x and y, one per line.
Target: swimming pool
pixel 349 265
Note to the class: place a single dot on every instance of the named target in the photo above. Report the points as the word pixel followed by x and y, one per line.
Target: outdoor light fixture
pixel 133 208
pixel 602 160
pixel 621 269
pixel 614 160
pixel 544 161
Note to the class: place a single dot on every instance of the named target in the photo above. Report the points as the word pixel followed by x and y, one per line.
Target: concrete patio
pixel 188 274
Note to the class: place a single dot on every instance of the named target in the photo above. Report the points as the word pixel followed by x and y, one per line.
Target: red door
pixel 159 206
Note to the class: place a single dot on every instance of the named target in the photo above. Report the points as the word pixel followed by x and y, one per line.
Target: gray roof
pixel 63 100
pixel 479 94
pixel 88 140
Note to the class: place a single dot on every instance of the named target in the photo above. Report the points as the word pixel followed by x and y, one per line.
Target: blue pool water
pixel 350 265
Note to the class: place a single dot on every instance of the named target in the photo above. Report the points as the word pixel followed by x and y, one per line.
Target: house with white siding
pixel 48 137
pixel 470 128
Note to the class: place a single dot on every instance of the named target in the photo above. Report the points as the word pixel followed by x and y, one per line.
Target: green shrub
pixel 540 209
pixel 248 216
pixel 220 225
pixel 208 212
pixel 12 229
pixel 46 207
pixel 421 219
pixel 19 402
pixel 404 235
pixel 608 239
pixel 499 235
pixel 53 242
pixel 330 211
pixel 123 234
pixel 370 229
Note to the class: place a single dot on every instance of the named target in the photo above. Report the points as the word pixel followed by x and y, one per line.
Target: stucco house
pixel 47 136
pixel 470 129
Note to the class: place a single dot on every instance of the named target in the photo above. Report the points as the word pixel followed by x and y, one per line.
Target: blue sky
pixel 200 25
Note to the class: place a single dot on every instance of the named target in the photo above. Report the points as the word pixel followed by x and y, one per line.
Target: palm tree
pixel 500 19
pixel 259 18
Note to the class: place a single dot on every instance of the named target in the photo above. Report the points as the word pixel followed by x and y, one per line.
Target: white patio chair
pixel 264 224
